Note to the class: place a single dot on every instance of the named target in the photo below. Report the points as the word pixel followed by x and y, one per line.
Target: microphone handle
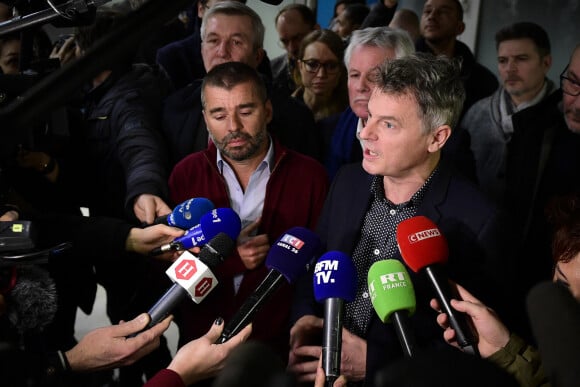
pixel 161 219
pixel 332 338
pixel 457 320
pixel 164 306
pixel 400 320
pixel 273 281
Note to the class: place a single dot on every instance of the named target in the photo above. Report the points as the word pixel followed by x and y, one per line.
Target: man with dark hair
pixel 524 151
pixel 233 32
pixel 350 20
pixel 524 59
pixel 415 103
pixel 124 163
pixel 441 23
pixel 293 23
pixel 248 170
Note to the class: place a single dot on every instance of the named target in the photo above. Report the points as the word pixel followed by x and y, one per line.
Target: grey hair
pixel 382 37
pixel 433 81
pixel 235 8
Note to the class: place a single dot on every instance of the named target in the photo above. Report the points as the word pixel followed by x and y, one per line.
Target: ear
pixel 259 56
pixel 547 62
pixel 205 118
pixel 269 111
pixel 438 138
pixel 200 10
pixel 460 28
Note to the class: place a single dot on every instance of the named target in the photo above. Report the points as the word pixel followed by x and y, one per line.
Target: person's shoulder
pixel 465 194
pixel 184 97
pixel 192 161
pixel 278 62
pixel 479 108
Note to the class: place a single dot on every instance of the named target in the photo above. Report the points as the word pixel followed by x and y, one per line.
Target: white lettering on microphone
pixel 393 280
pixel 425 234
pixel 323 271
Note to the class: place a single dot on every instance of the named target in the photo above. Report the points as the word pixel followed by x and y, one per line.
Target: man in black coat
pixel 411 112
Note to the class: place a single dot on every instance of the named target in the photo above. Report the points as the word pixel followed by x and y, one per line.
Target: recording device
pixel 424 249
pixel 287 259
pixel 30 296
pixel 212 223
pixel 555 317
pixel 335 282
pixel 17 235
pixel 393 298
pixel 187 214
pixel 192 276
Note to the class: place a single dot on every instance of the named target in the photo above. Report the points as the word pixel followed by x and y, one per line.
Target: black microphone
pixel 555 320
pixel 30 296
pixel 334 282
pixel 192 276
pixel 287 259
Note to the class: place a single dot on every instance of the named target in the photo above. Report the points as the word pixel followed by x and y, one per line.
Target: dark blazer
pixel 468 221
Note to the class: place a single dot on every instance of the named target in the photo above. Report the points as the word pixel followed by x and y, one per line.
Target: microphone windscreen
pixel 216 250
pixel 32 303
pixel 421 243
pixel 334 277
pixel 290 254
pixel 391 289
pixel 555 320
pixel 221 220
pixel 189 213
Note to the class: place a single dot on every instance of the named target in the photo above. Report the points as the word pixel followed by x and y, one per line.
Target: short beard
pixel 240 154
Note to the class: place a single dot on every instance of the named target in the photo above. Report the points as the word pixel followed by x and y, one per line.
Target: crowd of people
pixel 383 116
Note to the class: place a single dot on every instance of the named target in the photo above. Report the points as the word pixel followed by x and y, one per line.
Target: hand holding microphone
pixel 492 335
pixel 287 259
pixel 192 276
pixel 334 283
pixel 424 249
pixel 393 298
pixel 212 223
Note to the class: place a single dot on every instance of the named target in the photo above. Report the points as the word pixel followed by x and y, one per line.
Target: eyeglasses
pixel 312 66
pixel 569 86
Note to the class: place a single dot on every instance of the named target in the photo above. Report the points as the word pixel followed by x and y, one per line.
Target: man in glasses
pixel 570 84
pixel 293 23
pixel 524 153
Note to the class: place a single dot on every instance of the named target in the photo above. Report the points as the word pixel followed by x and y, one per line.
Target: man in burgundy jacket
pixel 272 189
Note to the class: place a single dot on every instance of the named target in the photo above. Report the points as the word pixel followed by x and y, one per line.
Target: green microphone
pixel 393 298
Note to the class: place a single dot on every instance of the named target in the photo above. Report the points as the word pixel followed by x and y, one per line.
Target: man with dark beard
pixel 272 188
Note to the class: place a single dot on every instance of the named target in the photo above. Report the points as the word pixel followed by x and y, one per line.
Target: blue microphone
pixel 287 260
pixel 212 223
pixel 334 283
pixel 187 214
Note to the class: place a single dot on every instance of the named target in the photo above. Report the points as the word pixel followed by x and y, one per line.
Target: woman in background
pixel 321 75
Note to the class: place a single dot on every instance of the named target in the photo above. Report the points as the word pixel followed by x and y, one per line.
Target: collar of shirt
pixel 248 205
pixel 378 192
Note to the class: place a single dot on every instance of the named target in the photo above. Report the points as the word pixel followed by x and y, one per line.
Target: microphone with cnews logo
pixel 424 249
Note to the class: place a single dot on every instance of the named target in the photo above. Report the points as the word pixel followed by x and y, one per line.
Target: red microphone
pixel 424 248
